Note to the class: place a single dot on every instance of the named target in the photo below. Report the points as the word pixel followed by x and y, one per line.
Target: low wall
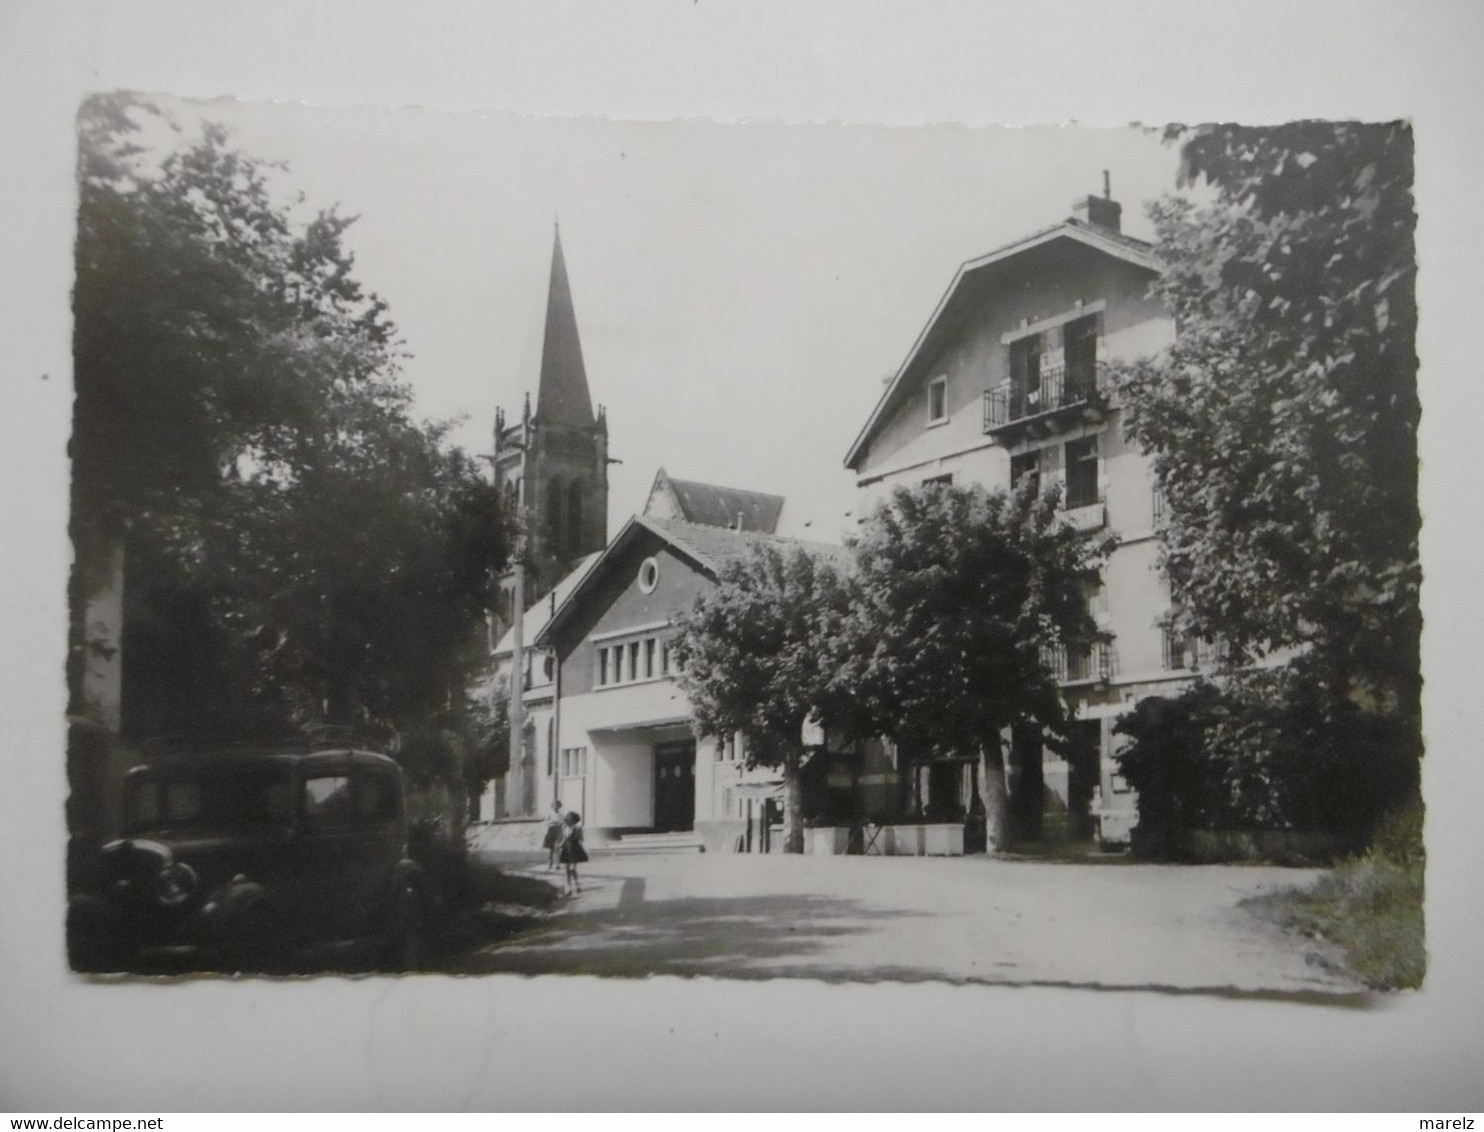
pixel 516 835
pixel 936 839
pixel 720 836
pixel 826 841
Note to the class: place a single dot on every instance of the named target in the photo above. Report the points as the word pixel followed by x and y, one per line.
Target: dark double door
pixel 674 786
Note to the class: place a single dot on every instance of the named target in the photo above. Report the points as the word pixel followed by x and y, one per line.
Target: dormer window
pixel 937 399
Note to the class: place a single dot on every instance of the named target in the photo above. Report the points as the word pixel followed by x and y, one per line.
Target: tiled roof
pixel 1101 231
pixel 715 506
pixel 714 546
pixel 1133 243
pixel 539 614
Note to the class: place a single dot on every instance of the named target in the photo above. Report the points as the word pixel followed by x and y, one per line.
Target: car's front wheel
pixel 97 938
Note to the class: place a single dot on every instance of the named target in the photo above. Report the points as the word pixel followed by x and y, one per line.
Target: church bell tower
pixel 552 465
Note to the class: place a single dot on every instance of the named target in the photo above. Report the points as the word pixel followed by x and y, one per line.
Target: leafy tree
pixel 209 327
pixel 955 595
pixel 755 657
pixel 298 548
pixel 1282 422
pixel 488 753
pixel 1255 751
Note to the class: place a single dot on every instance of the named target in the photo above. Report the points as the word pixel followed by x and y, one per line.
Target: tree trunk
pixel 996 797
pixel 793 803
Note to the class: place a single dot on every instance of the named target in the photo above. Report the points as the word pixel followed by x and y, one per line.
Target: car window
pixel 183 801
pixel 327 801
pixel 202 797
pixel 377 799
pixel 278 801
pixel 142 803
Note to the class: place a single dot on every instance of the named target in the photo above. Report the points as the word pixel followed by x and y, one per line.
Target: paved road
pixel 970 919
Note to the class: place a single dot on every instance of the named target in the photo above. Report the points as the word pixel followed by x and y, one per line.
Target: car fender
pixel 240 903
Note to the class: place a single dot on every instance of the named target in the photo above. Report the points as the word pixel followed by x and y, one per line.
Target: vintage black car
pixel 254 861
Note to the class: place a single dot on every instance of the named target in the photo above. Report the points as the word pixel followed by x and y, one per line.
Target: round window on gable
pixel 649 575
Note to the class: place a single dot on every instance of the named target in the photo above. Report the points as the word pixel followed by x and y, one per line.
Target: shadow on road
pixel 495 906
pixel 746 936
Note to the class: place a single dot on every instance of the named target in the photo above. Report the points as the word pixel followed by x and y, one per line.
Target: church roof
pixel 562 396
pixel 708 547
pixel 711 505
pixel 712 547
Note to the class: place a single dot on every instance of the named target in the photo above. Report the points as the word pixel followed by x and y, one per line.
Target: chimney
pixel 1103 211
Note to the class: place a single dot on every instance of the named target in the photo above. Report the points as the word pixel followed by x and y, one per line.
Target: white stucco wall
pixel 619 727
pixel 622 778
pixel 626 705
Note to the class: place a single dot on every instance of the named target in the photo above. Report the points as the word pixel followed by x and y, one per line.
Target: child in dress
pixel 554 831
pixel 572 853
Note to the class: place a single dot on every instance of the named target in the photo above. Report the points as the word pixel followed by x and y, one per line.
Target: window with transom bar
pixel 1082 471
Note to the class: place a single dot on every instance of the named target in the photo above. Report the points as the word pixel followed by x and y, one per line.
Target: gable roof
pixel 714 506
pixel 561 395
pixel 972 280
pixel 709 548
pixel 538 615
pixel 713 547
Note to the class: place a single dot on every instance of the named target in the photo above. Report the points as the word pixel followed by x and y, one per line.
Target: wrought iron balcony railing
pixel 1183 651
pixel 1053 388
pixel 1098 664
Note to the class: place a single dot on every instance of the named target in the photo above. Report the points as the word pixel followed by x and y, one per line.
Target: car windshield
pixel 246 797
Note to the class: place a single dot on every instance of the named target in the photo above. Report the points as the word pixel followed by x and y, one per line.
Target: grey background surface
pixel 507 1043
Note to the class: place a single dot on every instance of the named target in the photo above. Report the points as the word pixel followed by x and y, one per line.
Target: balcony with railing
pixel 1096 665
pixel 1047 401
pixel 1184 652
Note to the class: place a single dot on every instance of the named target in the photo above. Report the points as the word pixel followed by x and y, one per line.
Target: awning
pixel 771 789
pixel 662 723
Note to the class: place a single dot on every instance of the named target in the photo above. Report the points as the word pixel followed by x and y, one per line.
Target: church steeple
pixel 562 396
pixel 552 466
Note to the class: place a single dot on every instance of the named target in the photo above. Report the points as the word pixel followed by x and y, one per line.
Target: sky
pixel 742 290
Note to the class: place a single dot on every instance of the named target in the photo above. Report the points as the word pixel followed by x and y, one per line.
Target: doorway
pixel 675 786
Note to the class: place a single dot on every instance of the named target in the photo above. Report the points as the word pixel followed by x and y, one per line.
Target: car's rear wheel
pixel 257 945
pixel 406 944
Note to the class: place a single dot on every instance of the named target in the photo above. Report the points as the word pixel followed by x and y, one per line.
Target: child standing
pixel 554 831
pixel 572 852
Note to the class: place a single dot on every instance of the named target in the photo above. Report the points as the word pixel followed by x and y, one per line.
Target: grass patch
pixel 1370 907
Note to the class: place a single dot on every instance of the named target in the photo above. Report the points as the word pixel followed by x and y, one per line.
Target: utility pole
pixel 517 658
